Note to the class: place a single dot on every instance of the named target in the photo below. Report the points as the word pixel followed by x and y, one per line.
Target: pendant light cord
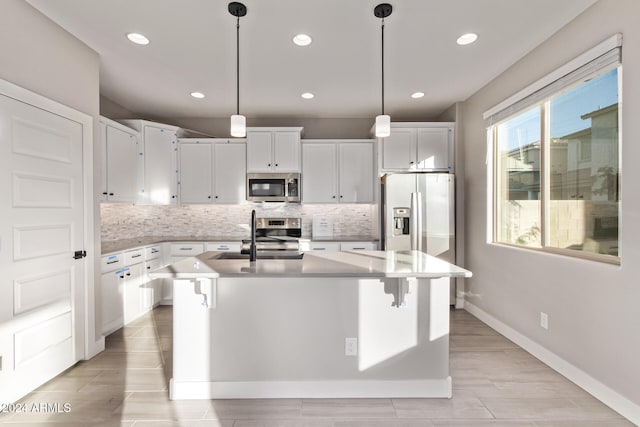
pixel 238 66
pixel 382 45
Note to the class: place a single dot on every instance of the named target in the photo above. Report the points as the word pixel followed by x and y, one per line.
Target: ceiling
pixel 193 48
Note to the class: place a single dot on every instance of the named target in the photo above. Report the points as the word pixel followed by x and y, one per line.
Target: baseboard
pixel 309 389
pixel 96 348
pixel 600 391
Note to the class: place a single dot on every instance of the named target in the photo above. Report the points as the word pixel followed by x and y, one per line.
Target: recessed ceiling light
pixel 307 95
pixel 198 95
pixel 467 39
pixel 302 40
pixel 137 38
pixel 417 95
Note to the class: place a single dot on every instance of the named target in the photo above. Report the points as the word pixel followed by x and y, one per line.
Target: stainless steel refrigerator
pixel 418 212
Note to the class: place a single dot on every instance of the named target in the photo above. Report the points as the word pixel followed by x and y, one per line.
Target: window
pixel 556 174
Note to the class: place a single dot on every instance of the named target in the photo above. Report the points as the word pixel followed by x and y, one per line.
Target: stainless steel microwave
pixel 273 187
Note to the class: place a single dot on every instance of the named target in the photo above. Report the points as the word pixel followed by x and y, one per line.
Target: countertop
pixel 363 264
pixel 111 246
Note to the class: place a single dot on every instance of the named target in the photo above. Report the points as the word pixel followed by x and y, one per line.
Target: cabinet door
pixel 230 174
pixel 399 149
pixel 151 290
pixel 122 165
pixel 434 149
pixel 160 166
pixel 356 172
pixel 286 147
pixel 259 156
pixel 132 291
pixel 324 246
pixel 319 173
pixel 111 293
pixel 196 179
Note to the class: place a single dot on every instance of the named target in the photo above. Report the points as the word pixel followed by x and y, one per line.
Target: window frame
pixel 494 180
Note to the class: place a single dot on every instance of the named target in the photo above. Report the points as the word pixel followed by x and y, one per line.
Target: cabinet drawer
pixel 357 246
pixel 112 262
pixel 324 246
pixel 152 252
pixel 187 249
pixel 135 256
pixel 224 246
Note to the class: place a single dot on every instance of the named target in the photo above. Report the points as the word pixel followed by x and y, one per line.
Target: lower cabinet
pixel 126 290
pixel 112 297
pixel 342 246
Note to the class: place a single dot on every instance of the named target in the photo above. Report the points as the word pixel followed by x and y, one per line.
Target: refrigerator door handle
pixel 415 221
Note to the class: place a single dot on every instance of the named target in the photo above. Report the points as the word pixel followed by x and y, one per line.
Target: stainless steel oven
pixel 273 187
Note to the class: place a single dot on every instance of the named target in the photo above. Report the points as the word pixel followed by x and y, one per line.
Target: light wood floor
pixel 495 384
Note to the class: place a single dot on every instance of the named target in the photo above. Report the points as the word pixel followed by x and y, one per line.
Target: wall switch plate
pixel 351 346
pixel 544 320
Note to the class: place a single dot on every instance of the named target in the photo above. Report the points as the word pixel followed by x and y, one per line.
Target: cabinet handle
pixel 186 249
pixel 341 197
pixel 173 197
pixel 148 267
pixel 136 256
pixel 122 277
pixel 128 274
pixel 319 249
pixel 111 194
pixel 208 197
pixel 216 197
pixel 269 165
pixel 410 163
pixel 276 165
pixel 358 249
pixel 104 193
pixel 333 197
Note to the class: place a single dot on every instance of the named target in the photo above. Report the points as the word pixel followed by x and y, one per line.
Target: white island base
pixel 283 331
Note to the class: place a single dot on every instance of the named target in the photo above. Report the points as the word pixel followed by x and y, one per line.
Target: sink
pixel 284 255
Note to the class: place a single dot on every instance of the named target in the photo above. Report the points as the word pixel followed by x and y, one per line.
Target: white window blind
pixel 581 69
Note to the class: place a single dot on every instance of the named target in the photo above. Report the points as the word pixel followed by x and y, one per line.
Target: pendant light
pixel 238 122
pixel 383 121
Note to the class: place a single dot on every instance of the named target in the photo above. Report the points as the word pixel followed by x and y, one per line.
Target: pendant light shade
pixel 383 121
pixel 383 126
pixel 238 121
pixel 238 126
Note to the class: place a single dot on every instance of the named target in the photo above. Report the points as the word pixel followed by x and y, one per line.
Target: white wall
pixel 40 56
pixel 594 319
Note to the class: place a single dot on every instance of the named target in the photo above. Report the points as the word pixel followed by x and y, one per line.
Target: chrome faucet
pixel 252 248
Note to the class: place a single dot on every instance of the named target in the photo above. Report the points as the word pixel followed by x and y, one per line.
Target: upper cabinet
pixel 212 171
pixel 160 154
pixel 338 171
pixel 121 162
pixel 273 149
pixel 419 146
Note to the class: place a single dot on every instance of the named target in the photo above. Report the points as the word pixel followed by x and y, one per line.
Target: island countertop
pixel 365 264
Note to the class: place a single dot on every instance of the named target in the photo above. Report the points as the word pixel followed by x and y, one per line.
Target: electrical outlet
pixel 351 346
pixel 544 320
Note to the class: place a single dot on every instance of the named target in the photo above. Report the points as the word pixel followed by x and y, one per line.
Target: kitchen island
pixel 337 324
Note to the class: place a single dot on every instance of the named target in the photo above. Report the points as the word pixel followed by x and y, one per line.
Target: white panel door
pixel 433 149
pixel 230 173
pixel 286 148
pixel 196 179
pixel 122 165
pixel 41 225
pixel 259 151
pixel 160 166
pixel 399 149
pixel 319 169
pixel 356 172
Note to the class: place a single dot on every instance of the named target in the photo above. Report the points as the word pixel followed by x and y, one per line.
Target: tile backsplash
pixel 125 221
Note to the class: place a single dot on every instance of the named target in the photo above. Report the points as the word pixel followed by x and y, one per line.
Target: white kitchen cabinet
pixel 419 147
pixel 212 171
pixel 338 171
pixel 324 246
pixel 111 298
pixel 132 292
pixel 235 247
pixel 273 149
pixel 160 159
pixel 151 290
pixel 358 246
pixel 121 162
